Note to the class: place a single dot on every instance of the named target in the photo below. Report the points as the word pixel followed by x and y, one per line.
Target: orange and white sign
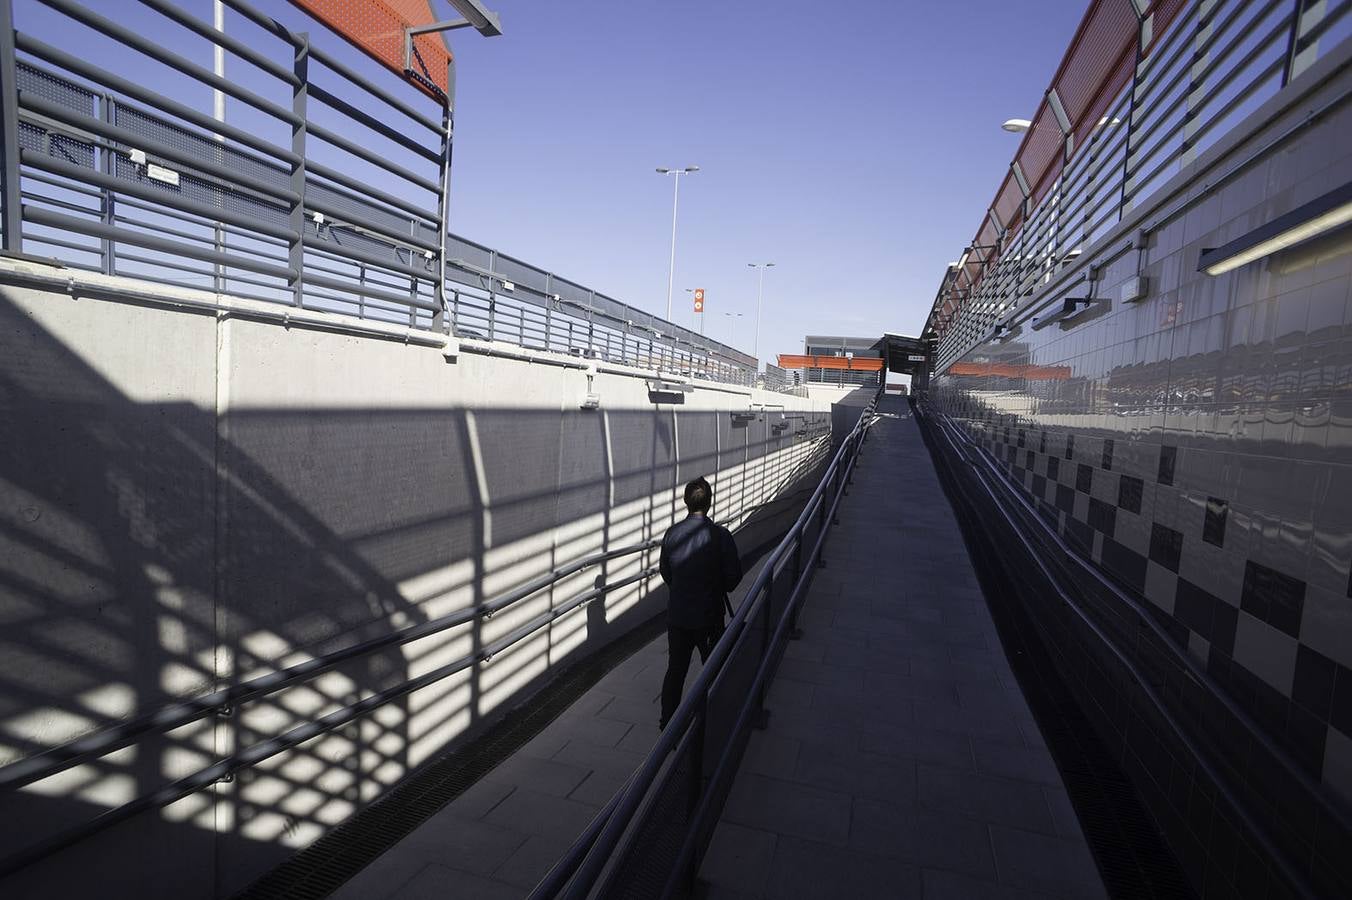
pixel 699 300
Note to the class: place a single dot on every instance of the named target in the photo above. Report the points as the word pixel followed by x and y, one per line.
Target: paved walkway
pixel 901 759
pixel 499 838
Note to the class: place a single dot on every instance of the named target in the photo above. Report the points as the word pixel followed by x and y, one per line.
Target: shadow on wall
pixel 151 551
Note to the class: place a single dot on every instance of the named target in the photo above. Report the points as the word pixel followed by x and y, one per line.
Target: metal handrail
pixel 1016 509
pixel 611 833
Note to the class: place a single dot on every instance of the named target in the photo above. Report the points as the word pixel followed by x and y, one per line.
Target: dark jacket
pixel 700 565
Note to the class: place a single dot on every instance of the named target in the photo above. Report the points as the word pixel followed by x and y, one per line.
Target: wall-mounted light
pixel 1068 308
pixel 1300 224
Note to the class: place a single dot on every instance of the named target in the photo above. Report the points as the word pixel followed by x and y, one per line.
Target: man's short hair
pixel 698 496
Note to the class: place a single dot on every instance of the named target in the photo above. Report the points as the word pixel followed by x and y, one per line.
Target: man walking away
pixel 700 565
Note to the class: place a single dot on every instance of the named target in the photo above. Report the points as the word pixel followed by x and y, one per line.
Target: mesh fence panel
pixel 648 864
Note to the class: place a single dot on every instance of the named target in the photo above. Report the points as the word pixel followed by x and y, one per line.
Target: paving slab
pixel 904 760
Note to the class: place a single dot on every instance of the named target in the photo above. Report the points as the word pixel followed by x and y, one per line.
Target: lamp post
pixel 732 326
pixel 675 200
pixel 699 315
pixel 760 285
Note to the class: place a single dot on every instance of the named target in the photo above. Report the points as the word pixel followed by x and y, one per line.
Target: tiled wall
pixel 1196 444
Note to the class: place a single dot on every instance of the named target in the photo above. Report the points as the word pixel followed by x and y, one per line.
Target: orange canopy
pixel 858 363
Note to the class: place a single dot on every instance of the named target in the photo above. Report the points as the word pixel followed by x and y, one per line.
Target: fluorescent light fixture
pixel 1300 224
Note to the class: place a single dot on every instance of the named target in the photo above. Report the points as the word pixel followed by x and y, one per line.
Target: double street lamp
pixel 760 286
pixel 675 199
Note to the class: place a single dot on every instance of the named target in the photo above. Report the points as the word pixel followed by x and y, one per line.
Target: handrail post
pixel 696 782
pixel 299 98
pixel 444 198
pixel 762 719
pixel 12 238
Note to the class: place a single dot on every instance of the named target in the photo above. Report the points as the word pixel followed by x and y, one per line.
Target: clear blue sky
pixel 855 144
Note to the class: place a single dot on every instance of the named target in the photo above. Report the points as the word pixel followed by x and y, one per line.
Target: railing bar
pixel 98 229
pixel 340 105
pixel 74 187
pixel 155 101
pixel 145 192
pixel 221 38
pixel 154 51
pixel 360 191
pixel 108 130
pixel 372 157
pixel 339 284
pixel 340 68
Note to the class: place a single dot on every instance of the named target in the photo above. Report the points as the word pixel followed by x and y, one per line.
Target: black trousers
pixel 680 643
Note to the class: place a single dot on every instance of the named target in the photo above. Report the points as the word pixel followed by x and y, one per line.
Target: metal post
pixel 671 269
pixel 299 96
pixel 492 294
pixel 107 246
pixel 1307 15
pixel 10 202
pixel 444 198
pixel 1143 31
pixel 218 113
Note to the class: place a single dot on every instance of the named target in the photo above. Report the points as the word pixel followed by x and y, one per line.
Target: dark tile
pixel 1030 459
pixel 1102 516
pixel 995 800
pixel 1070 446
pixel 1053 468
pixel 1042 445
pixel 928 838
pixel 1020 437
pixel 1125 564
pixel 1129 491
pixel 788 808
pixel 1080 534
pixel 1313 685
pixel 1306 737
pixel 1042 862
pixel 1084 479
pixel 1340 707
pixel 1166 469
pixel 1206 614
pixel 1108 454
pixel 1065 499
pixel 1039 486
pixel 1213 526
pixel 1274 597
pixel 807 869
pixel 1166 546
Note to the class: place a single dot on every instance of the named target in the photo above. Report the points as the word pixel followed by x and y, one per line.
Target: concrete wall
pixel 1195 447
pixel 192 493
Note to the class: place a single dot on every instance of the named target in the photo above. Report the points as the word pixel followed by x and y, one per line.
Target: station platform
pixel 900 757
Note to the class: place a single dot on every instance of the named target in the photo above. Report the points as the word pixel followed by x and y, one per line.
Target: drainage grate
pixel 1131 854
pixel 329 862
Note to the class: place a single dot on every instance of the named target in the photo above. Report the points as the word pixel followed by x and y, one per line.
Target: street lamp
pixel 760 285
pixel 1015 126
pixel 732 326
pixel 675 199
pixel 699 315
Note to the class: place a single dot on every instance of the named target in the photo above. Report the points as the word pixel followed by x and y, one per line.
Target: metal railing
pixel 1114 128
pixel 323 190
pixel 649 840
